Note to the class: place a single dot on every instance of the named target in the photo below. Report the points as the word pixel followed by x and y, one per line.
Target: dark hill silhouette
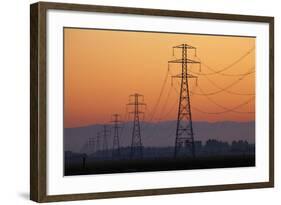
pixel 162 134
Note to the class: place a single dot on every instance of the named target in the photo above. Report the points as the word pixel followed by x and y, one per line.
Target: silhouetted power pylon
pixel 92 144
pixel 105 144
pixel 136 145
pixel 98 142
pixel 184 141
pixel 88 146
pixel 116 126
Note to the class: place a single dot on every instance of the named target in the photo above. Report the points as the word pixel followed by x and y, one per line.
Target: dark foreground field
pixel 91 166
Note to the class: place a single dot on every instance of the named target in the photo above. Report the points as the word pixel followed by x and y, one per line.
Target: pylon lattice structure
pixel 116 126
pixel 98 141
pixel 92 145
pixel 184 142
pixel 105 144
pixel 136 101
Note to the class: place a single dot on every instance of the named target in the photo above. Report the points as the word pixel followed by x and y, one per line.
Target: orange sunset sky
pixel 102 68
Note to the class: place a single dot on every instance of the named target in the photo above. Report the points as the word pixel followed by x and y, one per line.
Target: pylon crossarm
pixel 136 94
pixel 182 76
pixel 139 103
pixel 139 112
pixel 191 76
pixel 118 122
pixel 183 61
pixel 185 46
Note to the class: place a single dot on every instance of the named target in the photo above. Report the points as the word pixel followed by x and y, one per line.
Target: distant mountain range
pixel 162 134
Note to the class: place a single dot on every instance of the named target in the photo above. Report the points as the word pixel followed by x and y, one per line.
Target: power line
pixel 174 104
pixel 162 117
pixel 170 110
pixel 161 93
pixel 223 74
pixel 165 103
pixel 221 106
pixel 227 110
pixel 225 68
pixel 225 89
pixel 159 98
pixel 229 91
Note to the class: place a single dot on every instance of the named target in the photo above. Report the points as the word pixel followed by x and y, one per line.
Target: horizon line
pixel 124 122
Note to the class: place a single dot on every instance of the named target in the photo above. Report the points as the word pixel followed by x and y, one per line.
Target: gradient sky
pixel 102 68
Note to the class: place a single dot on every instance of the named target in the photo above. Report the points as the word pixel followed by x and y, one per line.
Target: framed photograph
pixel 134 102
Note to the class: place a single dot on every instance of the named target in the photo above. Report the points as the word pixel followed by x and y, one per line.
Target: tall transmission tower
pixel 184 141
pixel 116 145
pixel 98 136
pixel 88 146
pixel 136 101
pixel 92 144
pixel 105 144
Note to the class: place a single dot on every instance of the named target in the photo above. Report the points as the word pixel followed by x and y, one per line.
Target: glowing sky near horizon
pixel 102 68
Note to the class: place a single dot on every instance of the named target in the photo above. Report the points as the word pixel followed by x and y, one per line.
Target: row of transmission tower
pixel 184 135
pixel 135 105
